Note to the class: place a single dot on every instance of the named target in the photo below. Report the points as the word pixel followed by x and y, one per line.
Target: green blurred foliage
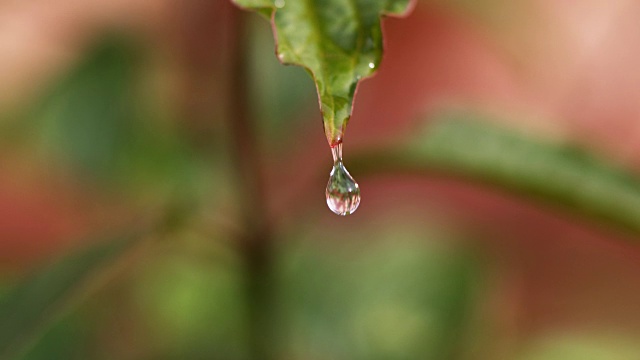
pixel 70 338
pixel 407 289
pixel 193 309
pixel 98 121
pixel 581 346
pixel 408 294
pixel 38 301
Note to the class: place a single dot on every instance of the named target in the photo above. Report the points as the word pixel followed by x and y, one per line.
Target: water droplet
pixel 279 4
pixel 372 65
pixel 343 192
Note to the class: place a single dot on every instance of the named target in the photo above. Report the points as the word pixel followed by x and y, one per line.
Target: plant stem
pixel 256 243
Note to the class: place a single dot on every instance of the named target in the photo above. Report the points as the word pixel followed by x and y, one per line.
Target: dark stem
pixel 256 243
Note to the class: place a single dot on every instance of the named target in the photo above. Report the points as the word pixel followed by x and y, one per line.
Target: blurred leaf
pixel 338 41
pixel 559 174
pixel 89 115
pixel 29 308
pixel 405 293
pixel 97 119
pixel 68 339
pixel 193 307
pixel 586 345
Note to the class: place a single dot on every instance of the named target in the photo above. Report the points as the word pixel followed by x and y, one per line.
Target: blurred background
pixel 116 113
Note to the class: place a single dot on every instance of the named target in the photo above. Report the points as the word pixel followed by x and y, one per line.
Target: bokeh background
pixel 114 113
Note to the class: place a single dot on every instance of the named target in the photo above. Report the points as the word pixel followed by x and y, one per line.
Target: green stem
pixel 256 243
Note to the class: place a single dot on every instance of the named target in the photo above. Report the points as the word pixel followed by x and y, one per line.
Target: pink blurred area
pixel 563 69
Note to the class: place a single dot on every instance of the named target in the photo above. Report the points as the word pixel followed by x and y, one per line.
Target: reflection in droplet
pixel 372 65
pixel 343 193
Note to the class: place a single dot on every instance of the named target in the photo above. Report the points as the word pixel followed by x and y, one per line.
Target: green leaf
pixel 338 41
pixel 557 174
pixel 34 304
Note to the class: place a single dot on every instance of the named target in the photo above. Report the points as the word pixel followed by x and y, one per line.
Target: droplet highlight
pixel 343 192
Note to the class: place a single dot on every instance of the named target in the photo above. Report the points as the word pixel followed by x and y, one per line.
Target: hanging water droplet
pixel 343 192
